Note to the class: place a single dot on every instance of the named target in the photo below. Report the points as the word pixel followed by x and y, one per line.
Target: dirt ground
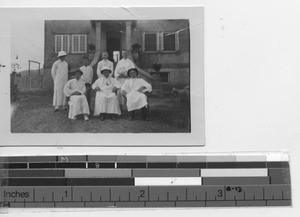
pixel 33 113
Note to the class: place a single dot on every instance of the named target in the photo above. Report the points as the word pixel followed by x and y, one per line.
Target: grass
pixel 33 113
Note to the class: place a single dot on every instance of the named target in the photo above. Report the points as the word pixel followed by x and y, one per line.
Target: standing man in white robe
pixel 106 101
pixel 75 89
pixel 135 90
pixel 105 62
pixel 121 72
pixel 59 74
pixel 87 77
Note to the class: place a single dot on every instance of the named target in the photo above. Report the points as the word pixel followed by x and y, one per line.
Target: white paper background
pixel 252 77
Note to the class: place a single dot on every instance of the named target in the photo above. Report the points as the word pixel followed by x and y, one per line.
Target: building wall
pixel 58 27
pixel 178 77
pixel 177 63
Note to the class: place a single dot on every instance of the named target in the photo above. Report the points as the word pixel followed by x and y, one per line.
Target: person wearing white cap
pixel 75 89
pixel 59 74
pixel 121 72
pixel 135 90
pixel 106 101
pixel 105 62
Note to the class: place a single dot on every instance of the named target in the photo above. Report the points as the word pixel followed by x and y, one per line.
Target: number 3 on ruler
pixel 220 193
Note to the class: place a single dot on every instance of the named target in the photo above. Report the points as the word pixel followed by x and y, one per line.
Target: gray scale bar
pixel 4 173
pixel 166 172
pixel 279 172
pixel 68 158
pixel 25 159
pixel 98 173
pixel 131 158
pixel 235 180
pixel 221 158
pixel 32 159
pixel 279 180
pixel 187 159
pixel 162 158
pixel 31 173
pixel 102 158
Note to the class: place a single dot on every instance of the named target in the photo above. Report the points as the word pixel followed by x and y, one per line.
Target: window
pixel 170 41
pixel 150 42
pixel 164 77
pixel 61 43
pixel 160 41
pixel 79 43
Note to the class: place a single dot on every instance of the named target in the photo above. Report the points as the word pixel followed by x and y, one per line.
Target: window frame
pixel 157 42
pixel 56 50
pixel 168 74
pixel 79 45
pixel 176 45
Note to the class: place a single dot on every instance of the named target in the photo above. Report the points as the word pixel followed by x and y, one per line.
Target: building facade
pixel 163 56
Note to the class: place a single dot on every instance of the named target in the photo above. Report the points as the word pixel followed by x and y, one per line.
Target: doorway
pixel 113 44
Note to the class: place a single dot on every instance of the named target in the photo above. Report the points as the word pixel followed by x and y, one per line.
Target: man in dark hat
pixel 134 89
pixel 75 89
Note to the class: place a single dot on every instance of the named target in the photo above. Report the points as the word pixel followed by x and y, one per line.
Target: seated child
pixel 75 89
pixel 134 89
pixel 106 101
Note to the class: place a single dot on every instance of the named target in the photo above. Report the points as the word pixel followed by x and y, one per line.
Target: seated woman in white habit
pixel 75 90
pixel 134 89
pixel 106 101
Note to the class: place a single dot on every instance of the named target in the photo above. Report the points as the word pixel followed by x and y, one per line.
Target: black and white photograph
pixel 109 75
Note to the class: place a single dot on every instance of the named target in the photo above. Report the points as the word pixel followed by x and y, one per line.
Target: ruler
pixel 145 181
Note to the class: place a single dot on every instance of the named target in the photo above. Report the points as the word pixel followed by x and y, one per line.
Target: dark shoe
pixel 102 118
pixel 55 110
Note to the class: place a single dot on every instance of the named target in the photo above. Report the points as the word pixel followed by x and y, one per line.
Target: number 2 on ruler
pixel 142 192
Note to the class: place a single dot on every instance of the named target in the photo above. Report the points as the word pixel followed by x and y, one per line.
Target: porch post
pixel 128 38
pixel 97 44
pixel 98 36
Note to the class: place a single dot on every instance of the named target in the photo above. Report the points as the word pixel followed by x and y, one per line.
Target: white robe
pixel 106 101
pixel 135 99
pixel 77 103
pixel 87 76
pixel 59 74
pixel 121 69
pixel 104 63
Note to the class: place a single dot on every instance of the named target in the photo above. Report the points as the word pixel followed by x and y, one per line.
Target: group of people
pixel 114 88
